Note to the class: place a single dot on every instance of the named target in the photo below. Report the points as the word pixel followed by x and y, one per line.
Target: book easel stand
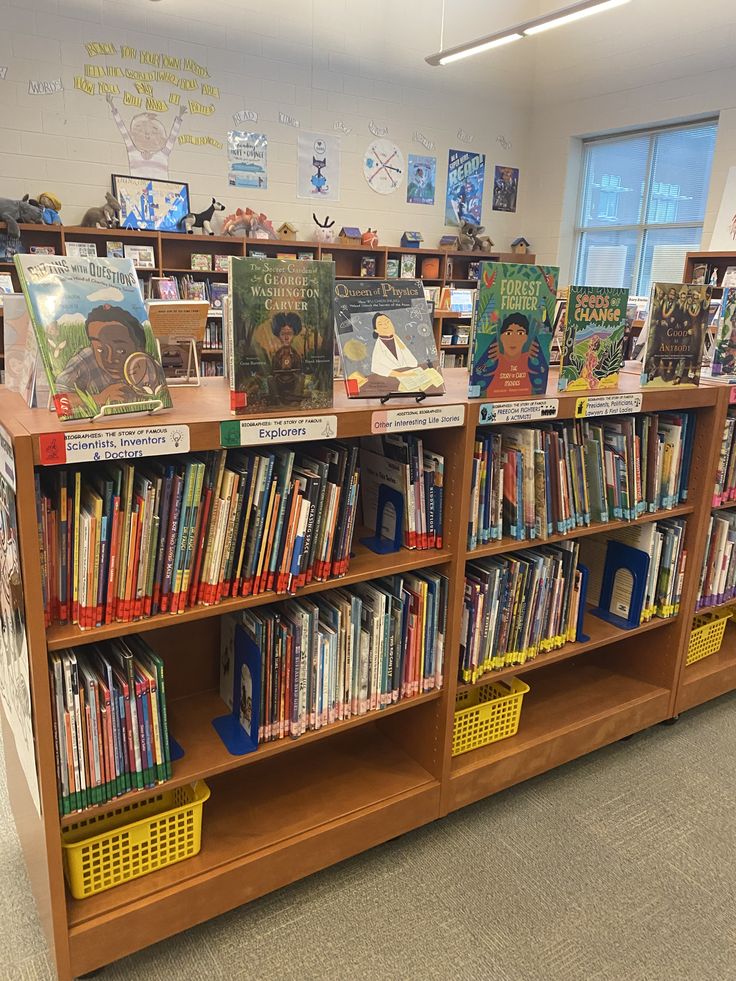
pixel 148 406
pixel 192 376
pixel 417 396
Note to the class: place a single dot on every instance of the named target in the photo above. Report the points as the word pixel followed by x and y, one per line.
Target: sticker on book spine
pixel 112 444
pixel 493 413
pixel 252 432
pixel 421 417
pixel 607 405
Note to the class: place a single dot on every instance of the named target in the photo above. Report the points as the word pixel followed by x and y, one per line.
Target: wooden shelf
pixel 710 676
pixel 211 350
pixel 596 528
pixel 364 565
pixel 199 272
pixel 724 506
pixel 205 756
pixel 284 818
pixel 451 347
pixel 571 709
pixel 600 633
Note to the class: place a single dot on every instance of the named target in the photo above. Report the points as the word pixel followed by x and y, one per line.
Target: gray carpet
pixel 618 867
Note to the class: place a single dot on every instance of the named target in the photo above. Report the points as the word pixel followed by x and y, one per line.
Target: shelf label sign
pixel 112 444
pixel 493 413
pixel 607 405
pixel 252 432
pixel 421 417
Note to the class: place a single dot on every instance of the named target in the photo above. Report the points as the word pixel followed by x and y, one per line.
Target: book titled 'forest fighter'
pixel 93 335
pixel 513 330
pixel 593 345
pixel 282 334
pixel 678 318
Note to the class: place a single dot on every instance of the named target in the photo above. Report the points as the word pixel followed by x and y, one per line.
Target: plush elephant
pixel 12 211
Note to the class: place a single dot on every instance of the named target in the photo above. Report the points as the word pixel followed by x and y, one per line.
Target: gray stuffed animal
pixel 12 211
pixel 471 239
pixel 104 217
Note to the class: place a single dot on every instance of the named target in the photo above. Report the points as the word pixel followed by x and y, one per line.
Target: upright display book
pixel 93 335
pixel 593 342
pixel 282 334
pixel 513 329
pixel 385 337
pixel 724 355
pixel 678 319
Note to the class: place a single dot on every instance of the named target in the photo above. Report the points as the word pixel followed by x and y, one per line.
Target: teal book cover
pixel 513 330
pixel 93 334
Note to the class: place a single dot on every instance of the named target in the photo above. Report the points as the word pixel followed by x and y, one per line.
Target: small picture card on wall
pixel 505 188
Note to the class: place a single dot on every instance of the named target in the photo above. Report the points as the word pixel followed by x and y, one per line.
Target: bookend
pixel 387 497
pixel 239 729
pixel 175 750
pixel 580 637
pixel 623 558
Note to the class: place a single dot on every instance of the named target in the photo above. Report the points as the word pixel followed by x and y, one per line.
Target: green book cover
pixel 678 319
pixel 282 335
pixel 513 330
pixel 93 334
pixel 593 340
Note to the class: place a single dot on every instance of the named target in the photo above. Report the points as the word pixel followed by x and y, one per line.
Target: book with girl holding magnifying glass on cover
pixel 513 330
pixel 93 335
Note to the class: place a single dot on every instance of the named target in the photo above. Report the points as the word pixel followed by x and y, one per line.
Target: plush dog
pixel 104 217
pixel 12 211
pixel 201 219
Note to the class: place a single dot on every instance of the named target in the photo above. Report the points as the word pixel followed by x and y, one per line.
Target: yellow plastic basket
pixel 105 850
pixel 486 714
pixel 707 635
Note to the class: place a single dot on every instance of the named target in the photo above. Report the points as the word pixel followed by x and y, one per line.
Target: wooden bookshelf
pixel 295 806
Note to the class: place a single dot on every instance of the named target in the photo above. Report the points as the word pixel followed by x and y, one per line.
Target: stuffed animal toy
pixel 239 220
pixel 369 238
pixel 325 232
pixel 12 211
pixel 471 240
pixel 201 219
pixel 104 217
pixel 51 206
pixel 262 227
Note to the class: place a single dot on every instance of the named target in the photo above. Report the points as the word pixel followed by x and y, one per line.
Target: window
pixel 642 201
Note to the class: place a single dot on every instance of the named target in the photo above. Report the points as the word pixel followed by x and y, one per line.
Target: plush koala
pixel 12 211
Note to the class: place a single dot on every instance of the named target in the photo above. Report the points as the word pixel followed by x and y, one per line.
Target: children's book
pixel 281 318
pixel 724 354
pixel 593 341
pixel 93 335
pixel 19 346
pixel 513 329
pixel 386 340
pixel 678 319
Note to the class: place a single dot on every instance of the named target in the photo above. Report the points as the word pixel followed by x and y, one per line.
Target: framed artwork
pixel 150 204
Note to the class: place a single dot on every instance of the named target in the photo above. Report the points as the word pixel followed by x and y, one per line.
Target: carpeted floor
pixel 618 867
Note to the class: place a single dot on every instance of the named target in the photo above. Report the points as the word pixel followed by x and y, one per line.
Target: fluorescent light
pixel 477 48
pixel 577 12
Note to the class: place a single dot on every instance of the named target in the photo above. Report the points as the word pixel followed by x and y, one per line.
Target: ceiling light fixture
pixel 558 18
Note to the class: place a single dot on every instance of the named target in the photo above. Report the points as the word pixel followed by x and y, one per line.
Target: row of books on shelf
pixel 458 335
pixel 126 541
pixel 450 359
pixel 212 369
pixel 110 722
pixel 185 287
pixel 725 484
pixel 709 273
pixel 213 334
pixel 530 482
pixel 718 575
pixel 316 660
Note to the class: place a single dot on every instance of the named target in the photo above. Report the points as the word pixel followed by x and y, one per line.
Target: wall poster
pixel 318 167
pixel 465 177
pixel 247 160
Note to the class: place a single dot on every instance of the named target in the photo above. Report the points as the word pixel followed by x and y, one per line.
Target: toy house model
pixel 349 236
pixel 411 240
pixel 286 232
pixel 450 242
pixel 520 246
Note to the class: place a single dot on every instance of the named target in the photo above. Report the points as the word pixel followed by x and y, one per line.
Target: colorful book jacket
pixel 282 334
pixel 678 319
pixel 93 335
pixel 593 344
pixel 724 355
pixel 386 340
pixel 513 330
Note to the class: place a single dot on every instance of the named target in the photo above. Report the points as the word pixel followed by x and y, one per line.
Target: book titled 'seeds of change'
pixel 593 342
pixel 386 340
pixel 282 335
pixel 93 335
pixel 678 319
pixel 513 330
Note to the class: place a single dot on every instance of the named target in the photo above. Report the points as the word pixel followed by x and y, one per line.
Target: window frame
pixel 642 227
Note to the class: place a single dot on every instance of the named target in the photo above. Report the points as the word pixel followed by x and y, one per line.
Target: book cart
pixel 296 806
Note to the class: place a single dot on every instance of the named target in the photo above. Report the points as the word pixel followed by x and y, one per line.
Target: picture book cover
pixel 724 354
pixel 282 334
pixel 385 336
pixel 515 307
pixel 678 319
pixel 93 335
pixel 593 340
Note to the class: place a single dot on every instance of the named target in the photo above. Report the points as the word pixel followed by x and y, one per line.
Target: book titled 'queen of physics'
pixel 513 330
pixel 93 335
pixel 281 344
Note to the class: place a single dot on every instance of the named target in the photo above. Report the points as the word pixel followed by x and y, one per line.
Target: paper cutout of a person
pixel 147 143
